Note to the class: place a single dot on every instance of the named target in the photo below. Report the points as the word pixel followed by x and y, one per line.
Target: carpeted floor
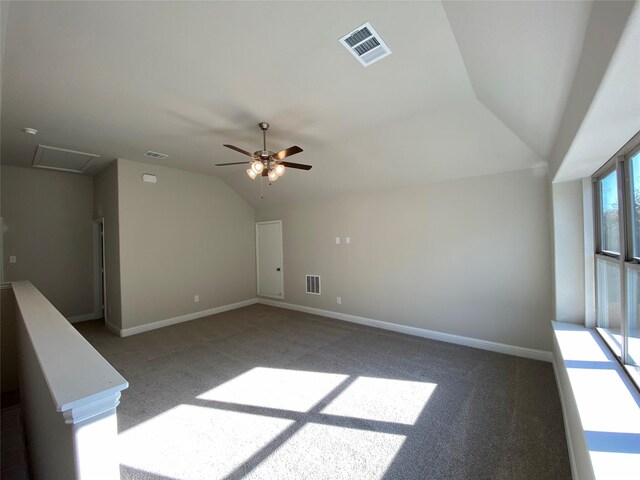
pixel 262 392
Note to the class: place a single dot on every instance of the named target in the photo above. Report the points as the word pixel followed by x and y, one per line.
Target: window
pixel 609 218
pixel 609 311
pixel 634 191
pixel 617 256
pixel 633 268
pixel 633 314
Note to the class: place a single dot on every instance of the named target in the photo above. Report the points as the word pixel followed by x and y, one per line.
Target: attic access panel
pixel 54 158
pixel 366 44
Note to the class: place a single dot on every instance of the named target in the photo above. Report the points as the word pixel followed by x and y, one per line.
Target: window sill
pixel 600 404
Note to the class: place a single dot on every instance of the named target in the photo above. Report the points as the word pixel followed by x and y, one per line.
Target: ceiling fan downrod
pixel 264 126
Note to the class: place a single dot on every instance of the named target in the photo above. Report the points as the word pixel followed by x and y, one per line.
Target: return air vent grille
pixel 157 155
pixel 365 44
pixel 313 284
pixel 62 159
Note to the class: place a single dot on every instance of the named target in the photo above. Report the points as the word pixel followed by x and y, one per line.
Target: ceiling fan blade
pixel 265 172
pixel 296 165
pixel 287 152
pixel 234 163
pixel 232 147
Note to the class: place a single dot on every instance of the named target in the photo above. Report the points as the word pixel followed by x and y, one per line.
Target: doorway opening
pixel 99 271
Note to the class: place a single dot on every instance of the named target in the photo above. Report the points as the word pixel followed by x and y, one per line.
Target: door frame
pixel 281 296
pixel 98 239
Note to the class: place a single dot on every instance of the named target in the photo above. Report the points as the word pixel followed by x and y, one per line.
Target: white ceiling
pixel 613 116
pixel 470 88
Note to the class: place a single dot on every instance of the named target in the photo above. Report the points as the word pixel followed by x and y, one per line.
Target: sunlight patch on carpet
pixel 322 451
pixel 190 442
pixel 293 390
pixel 386 400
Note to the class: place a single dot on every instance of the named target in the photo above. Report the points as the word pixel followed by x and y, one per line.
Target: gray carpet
pixel 262 392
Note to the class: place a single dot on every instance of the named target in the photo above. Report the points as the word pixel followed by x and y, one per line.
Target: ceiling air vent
pixel 313 284
pixel 55 158
pixel 157 155
pixel 365 44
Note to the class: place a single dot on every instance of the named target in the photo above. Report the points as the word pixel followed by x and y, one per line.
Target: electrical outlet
pixel 339 300
pixel 196 298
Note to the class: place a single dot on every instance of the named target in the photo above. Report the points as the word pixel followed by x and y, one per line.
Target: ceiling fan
pixel 265 162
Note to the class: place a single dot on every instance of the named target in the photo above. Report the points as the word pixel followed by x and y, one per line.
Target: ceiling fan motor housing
pixel 264 154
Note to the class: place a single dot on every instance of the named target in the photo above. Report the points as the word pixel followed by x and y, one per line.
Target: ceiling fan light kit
pixel 257 167
pixel 265 162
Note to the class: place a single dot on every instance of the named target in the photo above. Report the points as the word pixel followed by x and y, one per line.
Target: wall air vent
pixel 313 284
pixel 365 44
pixel 159 156
pixel 62 159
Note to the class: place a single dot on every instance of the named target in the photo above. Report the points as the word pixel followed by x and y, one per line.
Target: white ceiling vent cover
pixel 313 284
pixel 55 158
pixel 366 44
pixel 157 155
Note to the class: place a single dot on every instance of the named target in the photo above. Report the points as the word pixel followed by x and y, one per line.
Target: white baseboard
pixel 182 318
pixel 84 317
pixel 420 332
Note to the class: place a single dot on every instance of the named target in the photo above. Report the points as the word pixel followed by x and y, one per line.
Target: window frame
pixel 608 168
pixel 630 201
pixel 620 163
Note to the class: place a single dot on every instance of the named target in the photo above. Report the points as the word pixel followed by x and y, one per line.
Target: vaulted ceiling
pixel 471 88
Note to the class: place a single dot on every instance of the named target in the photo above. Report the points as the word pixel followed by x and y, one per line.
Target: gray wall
pixel 469 257
pixel 48 226
pixel 105 205
pixel 187 235
pixel 569 252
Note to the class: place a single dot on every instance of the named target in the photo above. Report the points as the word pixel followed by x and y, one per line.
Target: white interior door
pixel 269 259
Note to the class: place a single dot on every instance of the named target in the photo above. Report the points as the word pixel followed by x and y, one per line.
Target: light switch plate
pixel 12 259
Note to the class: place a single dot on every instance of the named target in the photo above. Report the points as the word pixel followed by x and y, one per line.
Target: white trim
pixel 84 317
pixel 90 409
pixel 565 418
pixel 182 318
pixel 580 358
pixel 588 222
pixel 281 296
pixel 420 332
